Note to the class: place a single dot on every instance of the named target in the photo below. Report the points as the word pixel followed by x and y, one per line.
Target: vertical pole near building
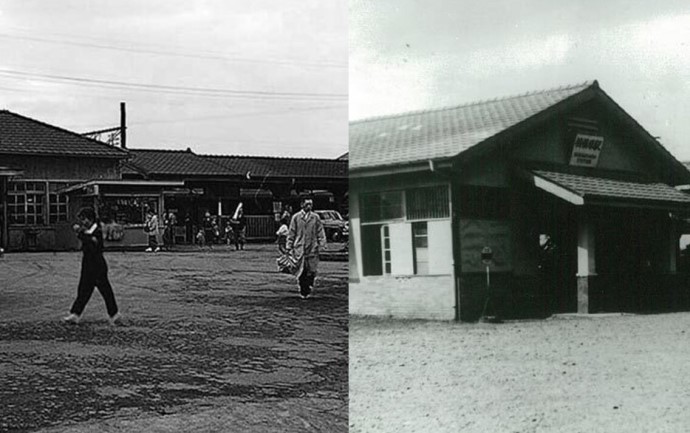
pixel 3 202
pixel 123 125
pixel 586 265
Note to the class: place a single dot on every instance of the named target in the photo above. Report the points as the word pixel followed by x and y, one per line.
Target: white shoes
pixel 148 250
pixel 156 250
pixel 72 318
pixel 114 320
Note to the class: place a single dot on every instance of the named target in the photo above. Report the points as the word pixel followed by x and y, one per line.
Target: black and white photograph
pixel 520 216
pixel 174 216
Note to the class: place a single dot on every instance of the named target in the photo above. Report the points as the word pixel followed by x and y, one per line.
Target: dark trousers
pixel 90 279
pixel 306 282
pixel 153 241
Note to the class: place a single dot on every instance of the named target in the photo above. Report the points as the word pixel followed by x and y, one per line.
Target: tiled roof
pixel 26 136
pixel 423 135
pixel 283 167
pixel 587 186
pixel 175 162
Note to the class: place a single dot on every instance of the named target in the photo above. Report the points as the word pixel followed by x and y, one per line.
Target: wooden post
pixel 586 264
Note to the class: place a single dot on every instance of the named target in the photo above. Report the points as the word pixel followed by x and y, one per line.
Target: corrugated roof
pixel 588 186
pixel 175 162
pixel 283 167
pixel 20 135
pixel 423 135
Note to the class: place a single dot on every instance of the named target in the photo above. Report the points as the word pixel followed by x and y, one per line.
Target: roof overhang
pixel 421 166
pixel 95 183
pixel 575 190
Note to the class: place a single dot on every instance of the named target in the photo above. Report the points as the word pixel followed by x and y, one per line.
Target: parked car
pixel 337 229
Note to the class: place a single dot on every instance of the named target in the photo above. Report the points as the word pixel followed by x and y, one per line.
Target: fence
pixel 260 227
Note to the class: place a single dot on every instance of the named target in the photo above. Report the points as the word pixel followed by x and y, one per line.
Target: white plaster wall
pixel 402 259
pixel 440 247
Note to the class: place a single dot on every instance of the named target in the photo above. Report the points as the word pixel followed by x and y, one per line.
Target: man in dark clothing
pixel 239 224
pixel 94 269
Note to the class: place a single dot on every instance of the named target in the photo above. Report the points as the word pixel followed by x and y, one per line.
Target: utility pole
pixel 123 126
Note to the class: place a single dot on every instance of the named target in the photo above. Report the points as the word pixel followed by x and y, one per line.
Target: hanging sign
pixel 586 150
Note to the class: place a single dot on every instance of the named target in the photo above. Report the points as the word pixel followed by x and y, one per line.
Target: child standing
pixel 282 235
pixel 94 269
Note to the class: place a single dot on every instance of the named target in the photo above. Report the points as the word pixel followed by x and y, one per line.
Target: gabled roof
pixel 20 135
pixel 283 167
pixel 423 135
pixel 174 162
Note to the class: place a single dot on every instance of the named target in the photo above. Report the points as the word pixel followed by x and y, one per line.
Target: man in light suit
pixel 306 237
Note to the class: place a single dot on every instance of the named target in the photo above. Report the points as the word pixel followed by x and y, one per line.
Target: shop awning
pixel 8 171
pixel 92 186
pixel 589 190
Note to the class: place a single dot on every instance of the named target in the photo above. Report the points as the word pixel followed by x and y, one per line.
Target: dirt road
pixel 616 373
pixel 211 341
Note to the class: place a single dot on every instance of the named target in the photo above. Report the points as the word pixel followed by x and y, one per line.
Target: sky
pixel 260 77
pixel 407 55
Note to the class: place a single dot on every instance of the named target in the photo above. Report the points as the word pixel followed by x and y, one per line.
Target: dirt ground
pixel 609 373
pixel 211 341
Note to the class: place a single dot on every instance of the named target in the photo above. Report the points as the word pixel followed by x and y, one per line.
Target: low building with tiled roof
pixel 283 167
pixel 559 198
pixel 159 164
pixel 34 215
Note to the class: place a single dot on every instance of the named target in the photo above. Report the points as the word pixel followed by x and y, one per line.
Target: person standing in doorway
pixel 94 269
pixel 151 229
pixel 306 237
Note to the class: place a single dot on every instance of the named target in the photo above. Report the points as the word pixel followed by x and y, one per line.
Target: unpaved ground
pixel 617 373
pixel 210 342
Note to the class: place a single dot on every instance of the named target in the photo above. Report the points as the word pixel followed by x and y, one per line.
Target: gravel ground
pixel 211 341
pixel 601 373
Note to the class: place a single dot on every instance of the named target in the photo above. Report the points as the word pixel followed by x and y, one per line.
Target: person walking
pixel 169 223
pixel 306 237
pixel 151 229
pixel 94 269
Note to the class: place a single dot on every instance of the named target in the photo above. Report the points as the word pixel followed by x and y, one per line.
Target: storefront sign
pixel 586 150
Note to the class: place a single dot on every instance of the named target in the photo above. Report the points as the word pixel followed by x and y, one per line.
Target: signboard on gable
pixel 586 150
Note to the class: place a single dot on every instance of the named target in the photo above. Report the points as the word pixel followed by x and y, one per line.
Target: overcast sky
pixel 408 54
pixel 220 76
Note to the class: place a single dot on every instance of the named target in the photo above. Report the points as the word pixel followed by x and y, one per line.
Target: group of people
pixel 301 239
pixel 211 233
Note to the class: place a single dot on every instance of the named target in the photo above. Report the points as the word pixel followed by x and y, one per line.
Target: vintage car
pixel 337 229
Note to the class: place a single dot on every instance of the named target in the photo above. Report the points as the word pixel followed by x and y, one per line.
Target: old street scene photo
pixel 516 182
pixel 173 217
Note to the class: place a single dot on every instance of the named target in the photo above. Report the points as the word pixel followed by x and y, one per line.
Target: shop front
pixel 122 205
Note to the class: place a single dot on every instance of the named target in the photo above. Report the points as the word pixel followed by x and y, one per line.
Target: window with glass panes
pixel 57 203
pixel 25 203
pixel 386 250
pixel 414 206
pixel 420 242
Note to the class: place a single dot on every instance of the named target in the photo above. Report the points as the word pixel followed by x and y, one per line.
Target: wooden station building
pixel 574 200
